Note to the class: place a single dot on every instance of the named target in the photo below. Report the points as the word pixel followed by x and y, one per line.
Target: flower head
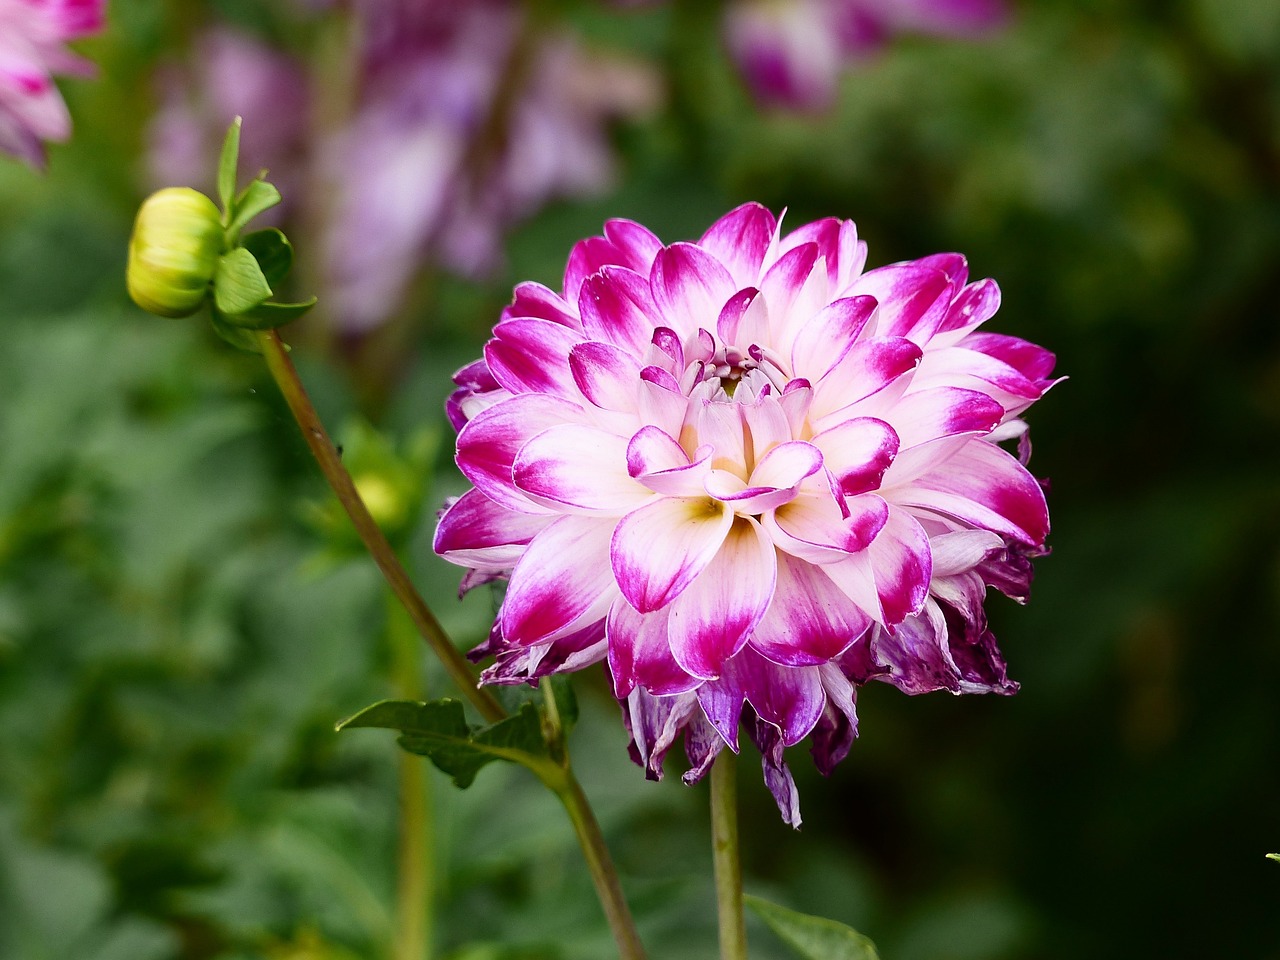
pixel 32 38
pixel 791 52
pixel 749 476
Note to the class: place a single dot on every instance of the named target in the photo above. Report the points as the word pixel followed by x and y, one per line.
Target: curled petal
pixel 617 308
pixel 739 240
pixel 690 287
pixel 535 300
pixel 561 580
pixel 489 443
pixel 983 485
pixel 858 452
pixel 640 654
pixel 660 548
pixel 577 466
pixel 532 356
pixel 890 579
pixel 822 341
pixel 813 527
pixel 605 374
pixel 810 620
pixel 712 618
pixel 863 371
pixel 476 532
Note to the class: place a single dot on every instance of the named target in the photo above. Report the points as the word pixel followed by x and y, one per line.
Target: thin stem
pixel 555 774
pixel 415 868
pixel 728 862
pixel 286 377
pixel 603 873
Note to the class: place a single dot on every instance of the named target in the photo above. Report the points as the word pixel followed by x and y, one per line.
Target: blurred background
pixel 183 615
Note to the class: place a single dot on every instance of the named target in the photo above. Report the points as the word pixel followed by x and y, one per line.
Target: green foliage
pixel 238 283
pixel 439 730
pixel 813 938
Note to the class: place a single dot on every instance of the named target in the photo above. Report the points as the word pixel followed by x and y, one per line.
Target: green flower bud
pixel 177 239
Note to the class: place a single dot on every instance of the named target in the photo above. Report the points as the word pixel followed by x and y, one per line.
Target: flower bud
pixel 177 238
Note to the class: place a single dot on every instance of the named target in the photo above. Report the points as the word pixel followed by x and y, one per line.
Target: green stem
pixel 326 454
pixel 728 862
pixel 415 870
pixel 557 775
pixel 600 865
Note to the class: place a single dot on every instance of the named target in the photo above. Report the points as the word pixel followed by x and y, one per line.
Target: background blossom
pixel 750 476
pixel 791 52
pixel 33 34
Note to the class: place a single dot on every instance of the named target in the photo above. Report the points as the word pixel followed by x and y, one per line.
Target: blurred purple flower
pixel 463 125
pixel 749 475
pixel 231 74
pixel 32 38
pixel 791 52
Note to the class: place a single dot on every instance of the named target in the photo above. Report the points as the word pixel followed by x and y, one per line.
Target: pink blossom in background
pixel 791 52
pixel 33 34
pixel 461 128
pixel 748 476
pixel 228 74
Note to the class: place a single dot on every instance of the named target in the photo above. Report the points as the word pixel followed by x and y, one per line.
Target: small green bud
pixel 177 239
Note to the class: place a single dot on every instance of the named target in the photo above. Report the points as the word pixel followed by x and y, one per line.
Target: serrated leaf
pixel 238 283
pixel 273 251
pixel 258 196
pixel 813 938
pixel 238 337
pixel 227 163
pixel 439 731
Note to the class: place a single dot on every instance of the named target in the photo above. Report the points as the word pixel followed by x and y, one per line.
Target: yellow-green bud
pixel 177 238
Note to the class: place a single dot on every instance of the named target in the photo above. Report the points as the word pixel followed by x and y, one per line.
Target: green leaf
pixel 238 283
pixel 227 166
pixel 258 196
pixel 268 316
pixel 273 251
pixel 1274 856
pixel 238 337
pixel 813 938
pixel 439 730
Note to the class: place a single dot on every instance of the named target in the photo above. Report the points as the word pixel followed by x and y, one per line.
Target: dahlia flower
pixel 791 52
pixel 32 38
pixel 749 476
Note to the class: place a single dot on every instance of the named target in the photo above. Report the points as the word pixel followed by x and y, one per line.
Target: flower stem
pixel 603 873
pixel 416 864
pixel 557 774
pixel 728 862
pixel 326 454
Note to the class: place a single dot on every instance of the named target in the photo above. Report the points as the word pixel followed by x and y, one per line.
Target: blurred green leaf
pixel 258 196
pixel 227 163
pixel 813 938
pixel 240 337
pixel 439 730
pixel 273 251
pixel 238 283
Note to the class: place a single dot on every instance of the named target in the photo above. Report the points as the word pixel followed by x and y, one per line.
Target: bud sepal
pixel 185 252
